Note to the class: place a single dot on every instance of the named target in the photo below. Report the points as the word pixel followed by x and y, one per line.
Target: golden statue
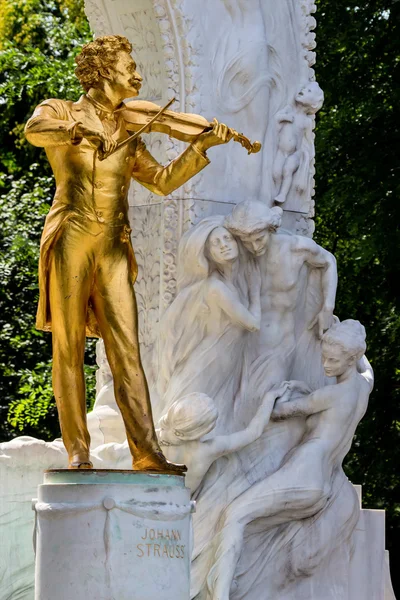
pixel 87 265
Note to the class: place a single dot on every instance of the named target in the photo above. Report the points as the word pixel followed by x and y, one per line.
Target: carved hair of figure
pixel 190 417
pixel 249 217
pixel 97 57
pixel 349 336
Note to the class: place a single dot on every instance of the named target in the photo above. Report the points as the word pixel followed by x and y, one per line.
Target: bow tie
pixel 102 111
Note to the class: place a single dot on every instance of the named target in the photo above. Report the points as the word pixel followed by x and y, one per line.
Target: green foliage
pixel 37 52
pixel 358 216
pixel 39 41
pixel 35 410
pixel 36 399
pixel 22 212
pixel 48 25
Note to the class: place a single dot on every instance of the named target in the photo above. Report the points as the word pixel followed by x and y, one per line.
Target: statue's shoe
pixel 157 462
pixel 80 462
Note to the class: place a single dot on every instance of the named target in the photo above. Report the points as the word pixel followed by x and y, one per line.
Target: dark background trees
pixel 357 217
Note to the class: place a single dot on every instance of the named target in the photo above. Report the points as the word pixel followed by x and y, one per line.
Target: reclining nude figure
pixel 181 432
pixel 302 485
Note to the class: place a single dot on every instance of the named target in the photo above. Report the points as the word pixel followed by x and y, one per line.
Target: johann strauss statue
pixel 87 264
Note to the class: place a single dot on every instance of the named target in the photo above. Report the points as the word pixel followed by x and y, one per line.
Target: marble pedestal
pixel 112 535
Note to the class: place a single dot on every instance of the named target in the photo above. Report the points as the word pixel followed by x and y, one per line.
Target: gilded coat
pixel 90 189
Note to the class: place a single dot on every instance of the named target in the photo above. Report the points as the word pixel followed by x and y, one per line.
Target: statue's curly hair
pixel 349 335
pixel 99 56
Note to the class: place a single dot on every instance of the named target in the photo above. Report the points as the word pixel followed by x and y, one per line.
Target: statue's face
pixel 256 243
pixel 125 78
pixel 310 96
pixel 335 360
pixel 222 246
pixel 168 437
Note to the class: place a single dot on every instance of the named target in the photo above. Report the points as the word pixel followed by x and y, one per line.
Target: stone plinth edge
pixel 111 476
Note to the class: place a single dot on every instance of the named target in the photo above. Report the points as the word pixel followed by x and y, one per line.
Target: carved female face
pixel 335 360
pixel 222 246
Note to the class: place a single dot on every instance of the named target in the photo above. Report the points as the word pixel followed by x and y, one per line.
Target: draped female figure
pixel 203 334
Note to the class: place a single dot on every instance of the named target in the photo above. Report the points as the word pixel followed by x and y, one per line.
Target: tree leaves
pixel 38 44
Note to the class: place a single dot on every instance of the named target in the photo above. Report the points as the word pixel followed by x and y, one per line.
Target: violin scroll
pixel 251 147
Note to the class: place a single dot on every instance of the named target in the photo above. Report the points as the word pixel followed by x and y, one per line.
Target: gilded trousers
pixel 89 266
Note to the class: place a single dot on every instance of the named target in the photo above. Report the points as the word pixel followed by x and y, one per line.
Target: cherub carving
pixel 295 145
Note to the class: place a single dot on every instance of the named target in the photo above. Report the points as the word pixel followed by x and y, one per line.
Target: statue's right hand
pixel 98 139
pixel 281 390
pixel 282 393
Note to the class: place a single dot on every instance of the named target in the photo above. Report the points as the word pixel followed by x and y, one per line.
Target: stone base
pixel 369 567
pixel 112 534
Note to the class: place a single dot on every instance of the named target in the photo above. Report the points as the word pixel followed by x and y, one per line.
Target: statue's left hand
pixel 100 140
pixel 282 394
pixel 276 415
pixel 324 320
pixel 219 134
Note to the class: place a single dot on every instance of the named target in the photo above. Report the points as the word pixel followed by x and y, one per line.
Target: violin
pixel 142 116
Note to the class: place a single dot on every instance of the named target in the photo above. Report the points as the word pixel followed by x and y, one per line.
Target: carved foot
pixel 80 462
pixel 158 462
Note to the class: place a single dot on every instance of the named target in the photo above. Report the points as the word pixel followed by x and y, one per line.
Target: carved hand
pixel 276 414
pixel 282 391
pixel 219 134
pixel 270 398
pixel 283 394
pixel 99 139
pixel 324 319
pixel 286 115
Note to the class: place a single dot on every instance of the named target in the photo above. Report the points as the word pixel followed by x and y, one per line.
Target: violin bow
pixel 141 130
